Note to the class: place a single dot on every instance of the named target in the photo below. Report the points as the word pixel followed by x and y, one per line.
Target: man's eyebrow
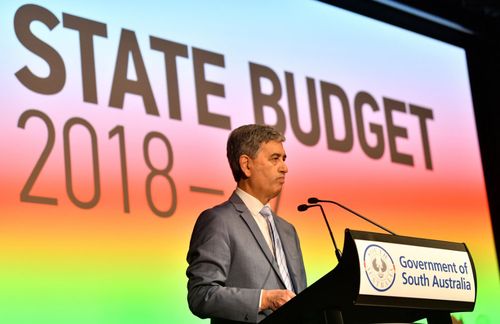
pixel 276 154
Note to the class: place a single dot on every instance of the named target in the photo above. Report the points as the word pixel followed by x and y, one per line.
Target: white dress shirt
pixel 254 205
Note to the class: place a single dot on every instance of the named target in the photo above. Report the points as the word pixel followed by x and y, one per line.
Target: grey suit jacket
pixel 230 262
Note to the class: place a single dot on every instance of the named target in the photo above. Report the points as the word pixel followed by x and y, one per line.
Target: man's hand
pixel 274 299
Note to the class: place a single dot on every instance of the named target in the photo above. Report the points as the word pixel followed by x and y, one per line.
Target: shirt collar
pixel 252 203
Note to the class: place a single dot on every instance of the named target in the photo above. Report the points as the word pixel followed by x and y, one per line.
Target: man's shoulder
pixel 283 222
pixel 222 208
pixel 222 211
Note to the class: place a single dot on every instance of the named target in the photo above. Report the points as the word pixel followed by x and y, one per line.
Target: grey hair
pixel 246 140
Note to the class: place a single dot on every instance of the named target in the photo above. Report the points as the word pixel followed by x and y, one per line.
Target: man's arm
pixel 209 259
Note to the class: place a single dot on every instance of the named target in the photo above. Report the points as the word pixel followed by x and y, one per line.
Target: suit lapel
pixel 245 214
pixel 288 241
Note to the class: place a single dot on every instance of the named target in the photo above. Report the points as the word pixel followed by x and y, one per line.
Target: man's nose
pixel 283 167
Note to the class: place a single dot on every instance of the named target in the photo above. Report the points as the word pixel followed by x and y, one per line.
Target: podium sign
pixel 409 271
pixel 432 274
pixel 387 278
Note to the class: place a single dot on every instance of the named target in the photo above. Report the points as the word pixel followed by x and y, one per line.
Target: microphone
pixel 314 200
pixel 304 207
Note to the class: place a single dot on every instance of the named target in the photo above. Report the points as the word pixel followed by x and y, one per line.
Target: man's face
pixel 267 171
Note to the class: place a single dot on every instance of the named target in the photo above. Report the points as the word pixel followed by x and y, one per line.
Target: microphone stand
pixel 304 207
pixel 313 200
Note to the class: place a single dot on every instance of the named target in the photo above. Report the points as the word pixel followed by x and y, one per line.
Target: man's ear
pixel 245 165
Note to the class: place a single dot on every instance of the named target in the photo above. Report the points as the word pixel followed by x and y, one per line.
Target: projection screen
pixel 114 122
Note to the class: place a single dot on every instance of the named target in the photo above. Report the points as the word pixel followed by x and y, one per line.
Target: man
pixel 244 261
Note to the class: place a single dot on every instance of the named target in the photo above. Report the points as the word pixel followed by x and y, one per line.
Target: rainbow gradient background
pixel 64 264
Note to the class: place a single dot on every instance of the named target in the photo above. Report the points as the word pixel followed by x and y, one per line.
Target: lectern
pixel 387 279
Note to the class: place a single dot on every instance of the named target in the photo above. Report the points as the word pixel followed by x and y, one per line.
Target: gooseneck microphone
pixel 314 200
pixel 304 207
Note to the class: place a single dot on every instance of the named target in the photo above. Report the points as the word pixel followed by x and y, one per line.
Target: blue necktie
pixel 279 254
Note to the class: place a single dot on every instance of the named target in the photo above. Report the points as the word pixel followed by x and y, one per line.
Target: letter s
pixel 405 280
pixel 54 82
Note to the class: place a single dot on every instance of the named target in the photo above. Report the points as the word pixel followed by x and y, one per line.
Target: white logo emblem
pixel 379 267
